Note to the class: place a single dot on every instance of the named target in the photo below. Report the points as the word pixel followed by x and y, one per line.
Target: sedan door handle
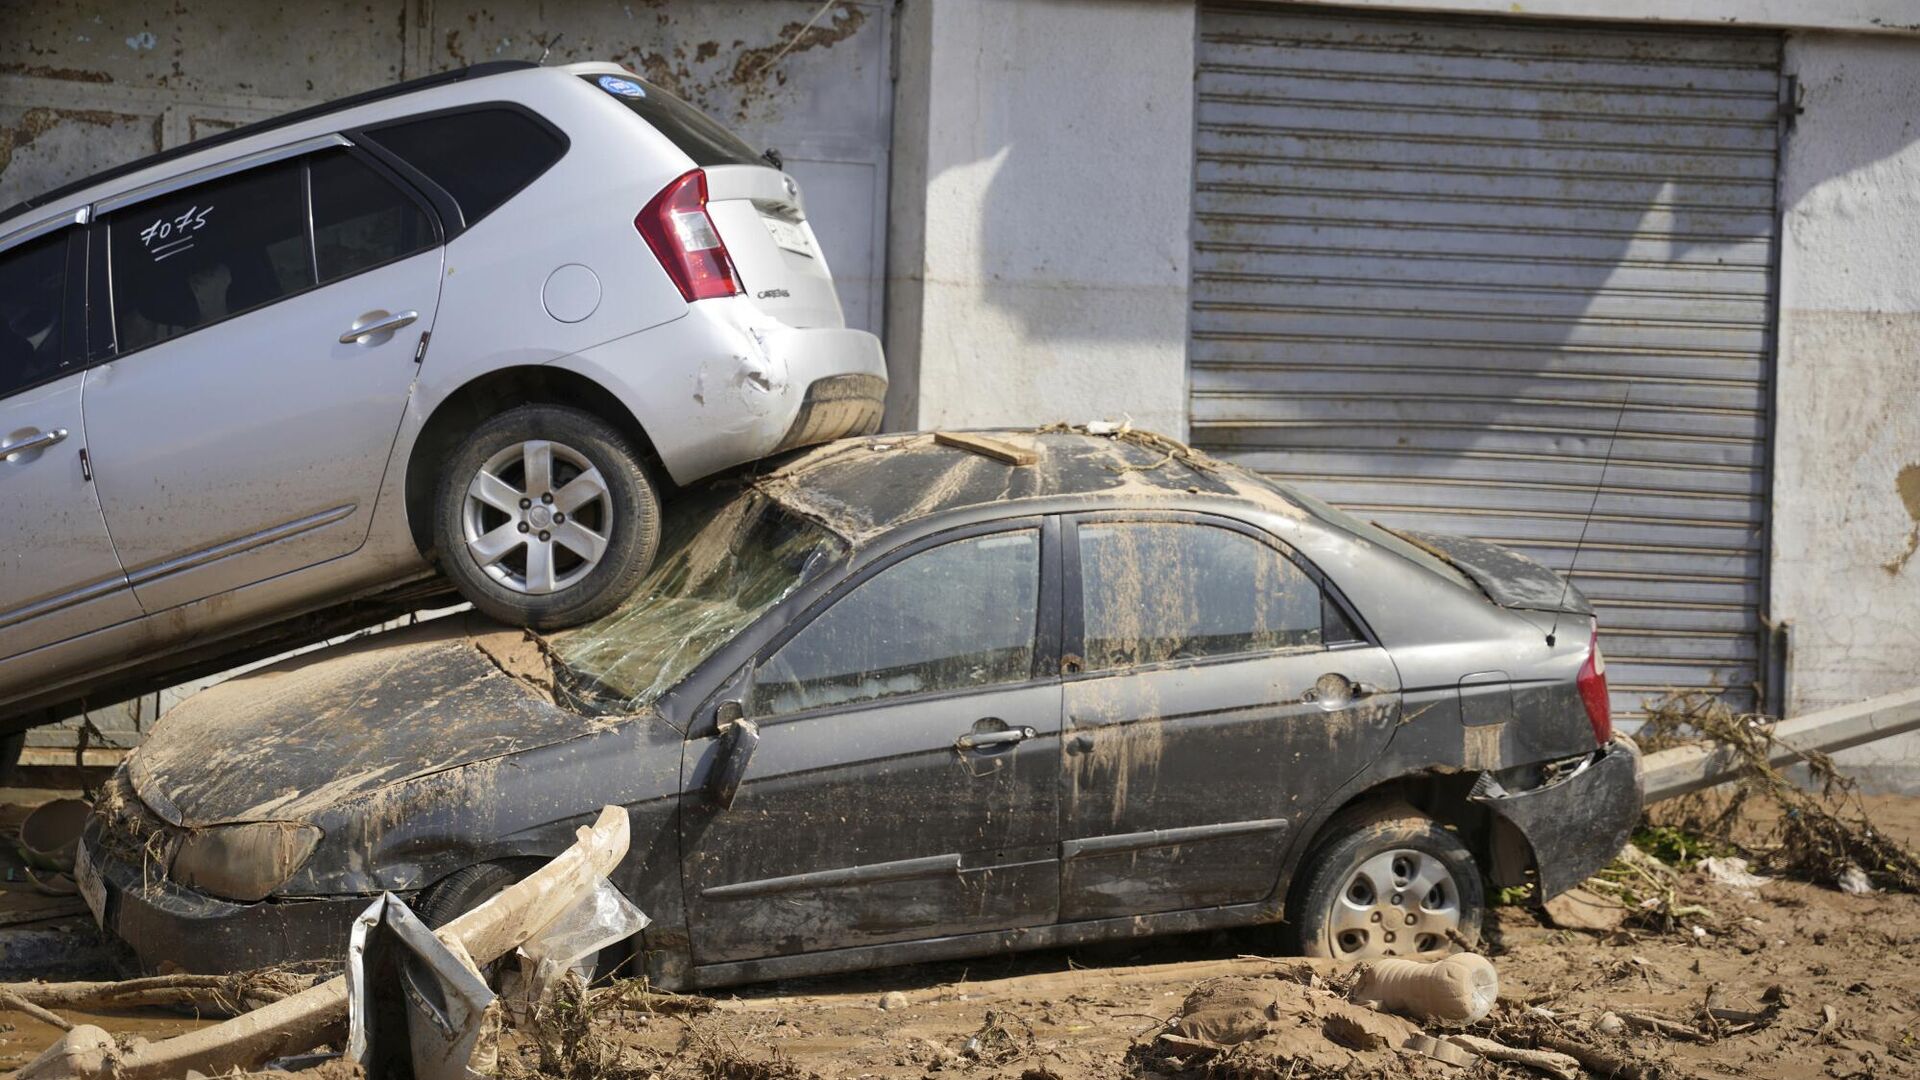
pixel 377 322
pixel 974 740
pixel 32 442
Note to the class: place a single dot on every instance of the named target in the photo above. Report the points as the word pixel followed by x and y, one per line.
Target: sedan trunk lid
pixel 1509 578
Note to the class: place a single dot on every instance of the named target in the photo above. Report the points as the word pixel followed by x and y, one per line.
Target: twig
pixel 13 1001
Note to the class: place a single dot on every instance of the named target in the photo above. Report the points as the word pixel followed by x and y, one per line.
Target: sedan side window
pixel 33 289
pixel 1158 591
pixel 954 617
pixel 217 249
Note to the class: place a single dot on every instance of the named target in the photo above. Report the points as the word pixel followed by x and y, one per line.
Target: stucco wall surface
pixel 1039 266
pixel 1846 513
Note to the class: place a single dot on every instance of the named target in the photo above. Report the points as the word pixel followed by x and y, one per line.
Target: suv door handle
pixel 32 442
pixel 973 740
pixel 377 322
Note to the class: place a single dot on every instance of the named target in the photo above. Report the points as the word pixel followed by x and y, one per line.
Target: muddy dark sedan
pixel 912 698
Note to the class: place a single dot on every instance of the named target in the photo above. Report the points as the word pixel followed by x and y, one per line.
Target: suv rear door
pixel 262 355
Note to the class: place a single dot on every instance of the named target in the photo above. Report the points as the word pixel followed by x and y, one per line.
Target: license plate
pixel 789 236
pixel 92 889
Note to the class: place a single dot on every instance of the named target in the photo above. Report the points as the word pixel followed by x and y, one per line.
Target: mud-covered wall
pixel 1846 508
pixel 1039 258
pixel 87 86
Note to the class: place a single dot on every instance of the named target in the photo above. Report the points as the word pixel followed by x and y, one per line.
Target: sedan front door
pixel 1225 692
pixel 903 785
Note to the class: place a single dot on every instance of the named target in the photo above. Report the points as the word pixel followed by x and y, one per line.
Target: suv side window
pixel 211 251
pixel 958 616
pixel 33 290
pixel 480 157
pixel 360 220
pixel 1158 591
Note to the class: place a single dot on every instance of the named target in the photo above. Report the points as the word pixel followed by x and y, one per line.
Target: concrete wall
pixel 1846 510
pixel 1038 267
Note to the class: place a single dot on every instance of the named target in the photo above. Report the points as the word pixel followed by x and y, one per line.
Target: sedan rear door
pixel 903 784
pixel 1225 691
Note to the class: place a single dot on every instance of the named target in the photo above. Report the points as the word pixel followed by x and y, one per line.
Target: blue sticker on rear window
pixel 614 84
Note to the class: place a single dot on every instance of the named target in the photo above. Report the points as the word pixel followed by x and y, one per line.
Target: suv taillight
pixel 1593 692
pixel 682 236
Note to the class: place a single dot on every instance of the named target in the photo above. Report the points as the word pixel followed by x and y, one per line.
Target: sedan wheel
pixel 1398 903
pixel 1385 881
pixel 538 517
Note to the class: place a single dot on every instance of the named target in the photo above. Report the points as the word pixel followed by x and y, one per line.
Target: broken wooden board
pixel 1004 452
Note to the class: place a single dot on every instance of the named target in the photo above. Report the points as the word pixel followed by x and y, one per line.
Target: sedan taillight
pixel 1593 692
pixel 677 228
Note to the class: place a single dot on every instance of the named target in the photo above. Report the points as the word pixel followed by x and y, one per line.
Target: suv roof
pixel 474 71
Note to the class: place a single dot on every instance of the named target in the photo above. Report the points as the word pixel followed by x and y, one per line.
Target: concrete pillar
pixel 1846 506
pixel 1042 169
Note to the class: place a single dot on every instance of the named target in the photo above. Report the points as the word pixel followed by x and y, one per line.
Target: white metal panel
pixel 1432 255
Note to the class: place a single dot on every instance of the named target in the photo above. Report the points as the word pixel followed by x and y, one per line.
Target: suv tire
pixel 1356 897
pixel 507 536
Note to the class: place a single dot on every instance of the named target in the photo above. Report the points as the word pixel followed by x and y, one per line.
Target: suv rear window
pixel 213 250
pixel 480 157
pixel 697 135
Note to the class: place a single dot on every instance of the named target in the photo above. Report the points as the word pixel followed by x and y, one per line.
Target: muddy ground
pixel 1846 969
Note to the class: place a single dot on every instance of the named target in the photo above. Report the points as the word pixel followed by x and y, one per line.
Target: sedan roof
pixel 863 487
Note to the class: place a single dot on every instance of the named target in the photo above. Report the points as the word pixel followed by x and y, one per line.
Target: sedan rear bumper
pixel 1579 819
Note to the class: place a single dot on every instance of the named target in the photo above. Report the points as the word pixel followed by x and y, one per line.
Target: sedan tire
pixel 1392 883
pixel 545 517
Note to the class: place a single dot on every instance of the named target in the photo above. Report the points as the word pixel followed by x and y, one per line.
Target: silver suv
pixel 484 320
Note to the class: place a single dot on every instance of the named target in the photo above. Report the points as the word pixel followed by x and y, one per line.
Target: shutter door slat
pixel 1430 255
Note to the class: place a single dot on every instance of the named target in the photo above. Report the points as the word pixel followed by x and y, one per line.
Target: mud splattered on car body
pixel 972 706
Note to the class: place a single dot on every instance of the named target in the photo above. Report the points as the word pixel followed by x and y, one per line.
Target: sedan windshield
pixel 727 556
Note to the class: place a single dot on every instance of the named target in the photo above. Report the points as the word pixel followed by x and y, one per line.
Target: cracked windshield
pixel 727 556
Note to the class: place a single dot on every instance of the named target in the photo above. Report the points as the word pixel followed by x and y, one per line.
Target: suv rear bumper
pixel 722 385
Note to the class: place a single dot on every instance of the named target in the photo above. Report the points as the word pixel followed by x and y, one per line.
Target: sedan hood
pixel 1509 578
pixel 288 741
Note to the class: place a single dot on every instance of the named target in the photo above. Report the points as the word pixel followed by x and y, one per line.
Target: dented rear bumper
pixel 1578 819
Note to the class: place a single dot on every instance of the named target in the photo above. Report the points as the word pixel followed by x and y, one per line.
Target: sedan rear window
pixel 697 135
pixel 726 558
pixel 1154 592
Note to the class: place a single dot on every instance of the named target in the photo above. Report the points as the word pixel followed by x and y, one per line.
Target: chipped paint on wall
pixel 1908 485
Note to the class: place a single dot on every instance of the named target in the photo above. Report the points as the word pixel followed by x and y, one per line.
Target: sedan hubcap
pixel 1398 903
pixel 537 517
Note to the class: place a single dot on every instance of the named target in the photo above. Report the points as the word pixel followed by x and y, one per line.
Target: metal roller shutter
pixel 1430 257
